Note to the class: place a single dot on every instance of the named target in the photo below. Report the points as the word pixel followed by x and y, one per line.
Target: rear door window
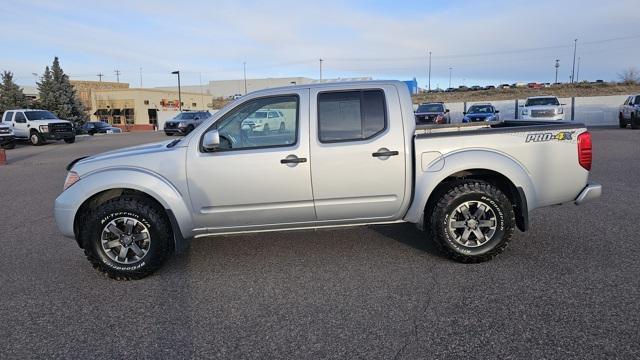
pixel 19 118
pixel 351 115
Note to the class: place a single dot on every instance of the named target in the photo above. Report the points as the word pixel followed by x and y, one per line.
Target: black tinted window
pixel 7 116
pixel 351 115
pixel 19 118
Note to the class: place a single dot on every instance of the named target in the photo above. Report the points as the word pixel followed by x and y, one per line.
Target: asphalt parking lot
pixel 569 288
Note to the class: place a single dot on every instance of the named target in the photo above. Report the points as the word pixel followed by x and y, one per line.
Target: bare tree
pixel 630 76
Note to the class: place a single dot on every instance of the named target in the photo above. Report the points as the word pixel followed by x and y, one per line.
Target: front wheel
pixel 622 123
pixel 472 222
pixel 126 238
pixel 635 122
pixel 36 139
pixel 70 140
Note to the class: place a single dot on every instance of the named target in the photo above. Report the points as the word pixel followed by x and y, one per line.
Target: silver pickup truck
pixel 349 154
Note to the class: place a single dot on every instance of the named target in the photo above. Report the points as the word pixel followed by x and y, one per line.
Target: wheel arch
pixel 100 187
pixel 510 176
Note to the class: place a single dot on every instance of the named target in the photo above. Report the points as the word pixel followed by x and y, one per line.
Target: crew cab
pixel 185 122
pixel 432 113
pixel 542 108
pixel 7 139
pixel 38 126
pixel 629 113
pixel 353 156
pixel 481 112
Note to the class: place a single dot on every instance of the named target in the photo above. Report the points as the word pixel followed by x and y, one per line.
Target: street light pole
pixel 557 66
pixel 429 71
pixel 177 72
pixel 450 68
pixel 578 70
pixel 321 70
pixel 575 46
pixel 244 71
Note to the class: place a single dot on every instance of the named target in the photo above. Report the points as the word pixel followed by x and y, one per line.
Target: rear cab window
pixel 351 115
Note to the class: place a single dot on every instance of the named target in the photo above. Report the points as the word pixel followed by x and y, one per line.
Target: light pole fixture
pixel 557 66
pixel 429 85
pixel 244 71
pixel 573 69
pixel 450 68
pixel 177 72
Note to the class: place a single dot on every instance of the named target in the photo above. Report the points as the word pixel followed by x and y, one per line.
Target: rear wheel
pixel 265 129
pixel 472 222
pixel 635 122
pixel 282 127
pixel 36 139
pixel 126 238
pixel 70 140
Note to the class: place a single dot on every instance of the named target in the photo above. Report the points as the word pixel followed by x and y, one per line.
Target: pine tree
pixel 11 95
pixel 58 95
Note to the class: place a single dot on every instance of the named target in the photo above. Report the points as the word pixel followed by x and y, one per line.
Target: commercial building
pixel 143 109
pixel 85 88
pixel 229 88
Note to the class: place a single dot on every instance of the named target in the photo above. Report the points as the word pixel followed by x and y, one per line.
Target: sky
pixel 483 42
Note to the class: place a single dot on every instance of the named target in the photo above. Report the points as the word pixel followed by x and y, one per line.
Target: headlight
pixel 560 111
pixel 182 124
pixel 525 112
pixel 72 178
pixel 490 118
pixel 44 128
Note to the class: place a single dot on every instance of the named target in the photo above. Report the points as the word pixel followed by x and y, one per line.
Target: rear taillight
pixel 585 152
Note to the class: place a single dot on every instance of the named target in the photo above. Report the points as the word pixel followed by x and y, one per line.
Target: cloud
pixel 383 39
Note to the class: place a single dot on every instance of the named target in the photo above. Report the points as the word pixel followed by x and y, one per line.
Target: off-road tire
pixel 35 138
pixel 459 193
pixel 70 140
pixel 635 122
pixel 266 129
pixel 9 145
pixel 141 209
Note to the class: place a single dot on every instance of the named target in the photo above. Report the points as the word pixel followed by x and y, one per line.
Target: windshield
pixel 481 109
pixel 431 108
pixel 258 115
pixel 101 124
pixel 190 116
pixel 39 115
pixel 542 101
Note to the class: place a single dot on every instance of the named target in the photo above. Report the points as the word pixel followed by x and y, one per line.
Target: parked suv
pixel 6 136
pixel 542 108
pixel 185 122
pixel 481 112
pixel 265 121
pixel 99 127
pixel 432 113
pixel 630 112
pixel 38 126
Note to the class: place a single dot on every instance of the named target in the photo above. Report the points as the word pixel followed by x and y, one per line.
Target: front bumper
pixel 58 135
pixel 7 139
pixel 590 192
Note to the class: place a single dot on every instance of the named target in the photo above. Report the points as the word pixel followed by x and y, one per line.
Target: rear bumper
pixel 590 192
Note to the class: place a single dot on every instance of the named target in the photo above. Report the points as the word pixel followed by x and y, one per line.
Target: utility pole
pixel 575 46
pixel 450 68
pixel 100 75
pixel 140 77
pixel 578 70
pixel 177 72
pixel 557 66
pixel 321 69
pixel 429 86
pixel 117 75
pixel 244 71
pixel 35 77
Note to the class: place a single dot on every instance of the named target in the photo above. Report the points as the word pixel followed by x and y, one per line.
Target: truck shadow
pixel 409 235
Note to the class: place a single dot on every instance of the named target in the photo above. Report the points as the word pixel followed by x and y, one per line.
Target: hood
pixel 542 107
pixel 52 121
pixel 480 115
pixel 129 152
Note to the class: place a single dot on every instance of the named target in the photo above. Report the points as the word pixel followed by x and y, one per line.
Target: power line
pixel 117 72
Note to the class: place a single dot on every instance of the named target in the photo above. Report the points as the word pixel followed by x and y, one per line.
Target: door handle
pixel 384 153
pixel 292 160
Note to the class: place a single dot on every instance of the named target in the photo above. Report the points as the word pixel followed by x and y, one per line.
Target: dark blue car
pixel 481 112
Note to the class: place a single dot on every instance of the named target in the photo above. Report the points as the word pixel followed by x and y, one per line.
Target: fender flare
pixel 458 161
pixel 175 203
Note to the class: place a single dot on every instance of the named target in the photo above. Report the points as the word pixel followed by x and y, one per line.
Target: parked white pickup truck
pixel 38 126
pixel 352 156
pixel 542 108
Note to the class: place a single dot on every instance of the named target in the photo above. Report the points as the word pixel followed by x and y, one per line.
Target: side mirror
pixel 497 111
pixel 464 113
pixel 196 118
pixel 446 110
pixel 211 140
pixel 563 104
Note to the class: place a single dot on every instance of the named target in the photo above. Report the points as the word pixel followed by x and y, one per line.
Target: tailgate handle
pixel 384 153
